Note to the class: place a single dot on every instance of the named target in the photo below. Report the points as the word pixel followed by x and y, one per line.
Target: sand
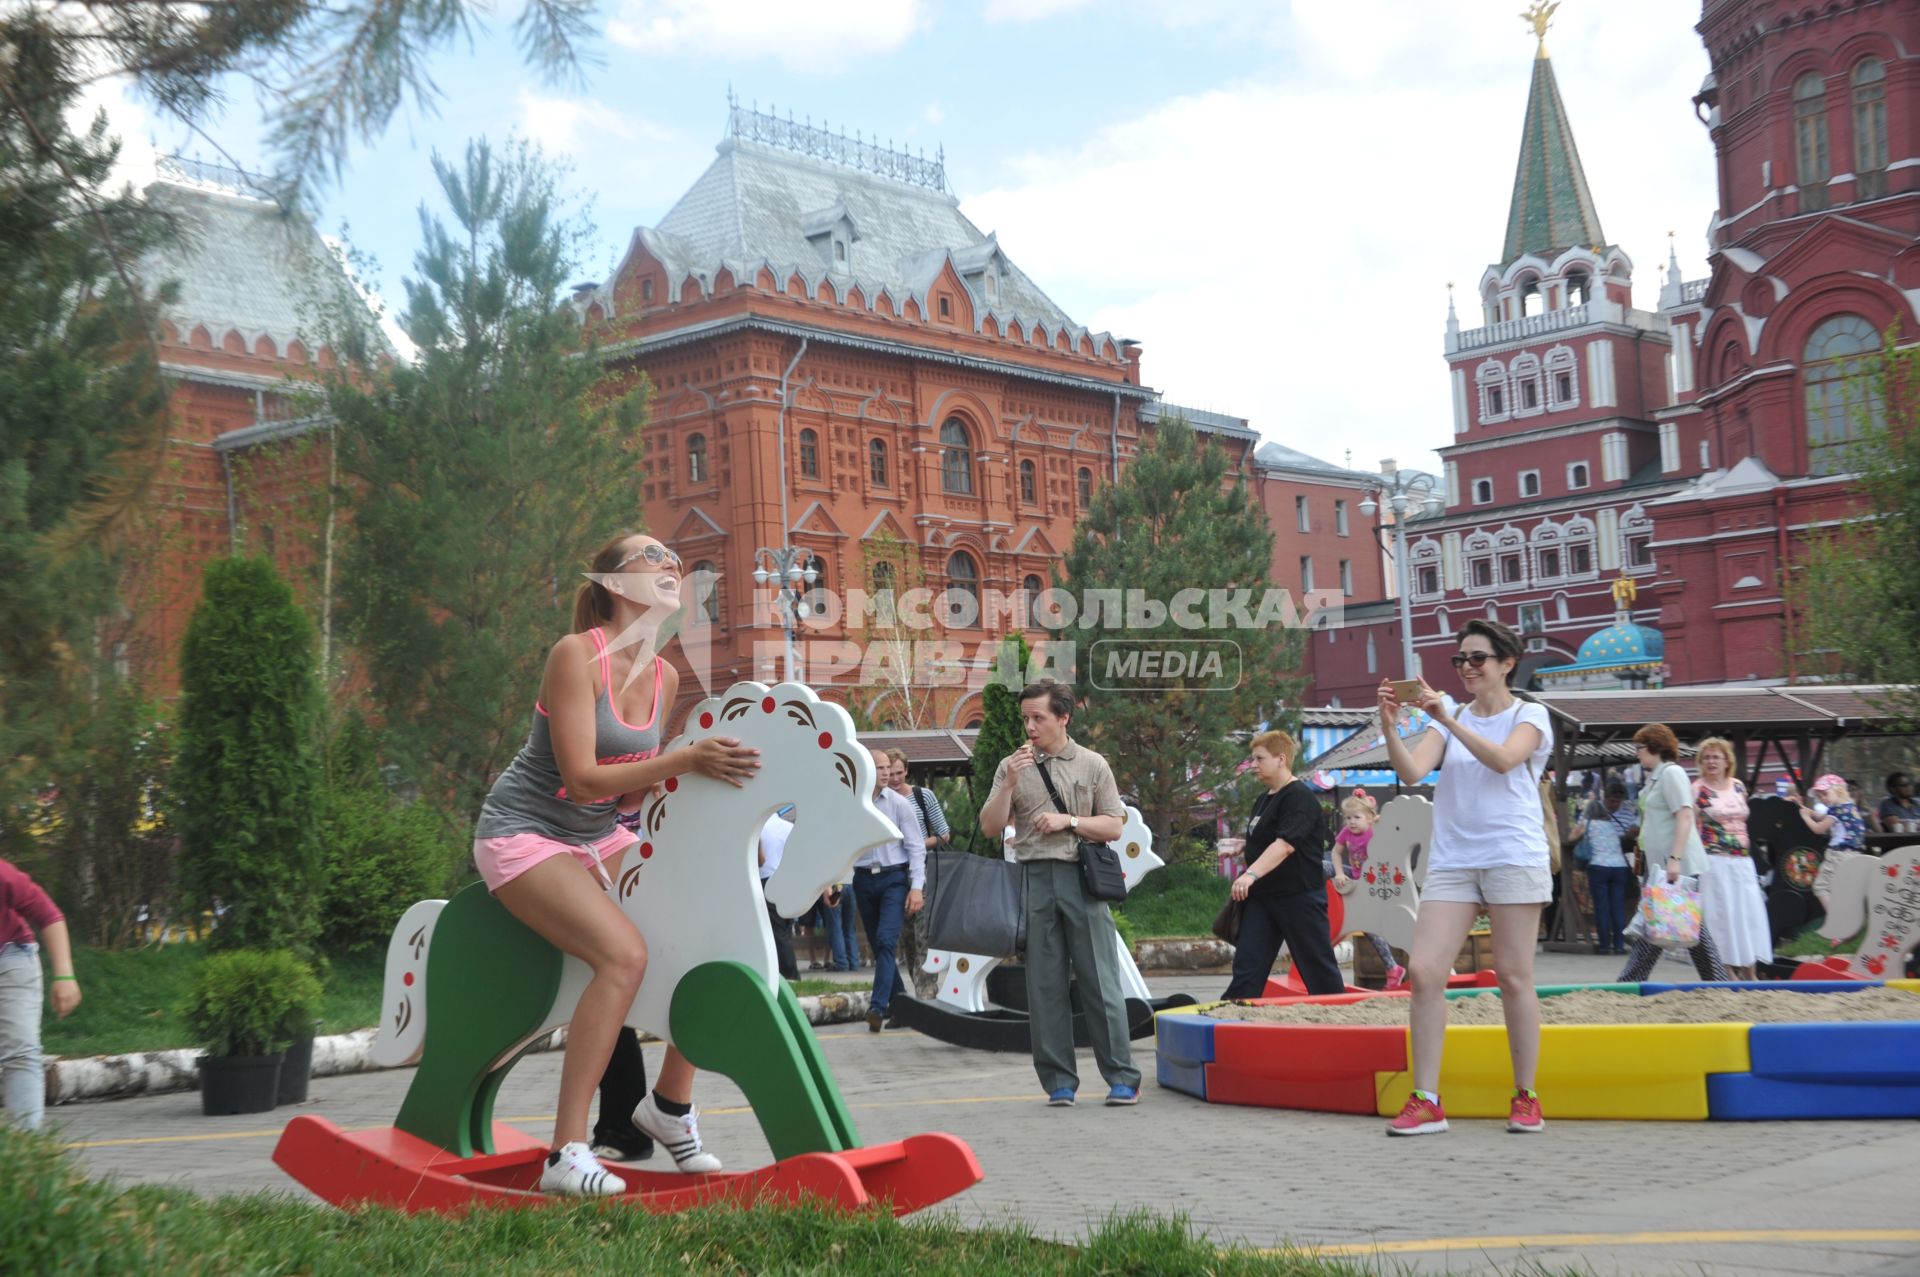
pixel 1595 1006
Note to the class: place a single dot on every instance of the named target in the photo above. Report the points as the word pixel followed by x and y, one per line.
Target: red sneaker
pixel 1396 978
pixel 1524 1117
pixel 1421 1116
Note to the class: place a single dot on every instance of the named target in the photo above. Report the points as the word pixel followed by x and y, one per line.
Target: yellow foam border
pixel 1630 1071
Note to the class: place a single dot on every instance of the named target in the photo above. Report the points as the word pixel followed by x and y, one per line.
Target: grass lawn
pixel 131 999
pixel 55 1220
pixel 1809 943
pixel 1179 900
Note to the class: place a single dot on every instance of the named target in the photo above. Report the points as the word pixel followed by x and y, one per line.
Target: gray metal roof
pixel 1280 457
pixel 241 263
pixel 1217 423
pixel 760 204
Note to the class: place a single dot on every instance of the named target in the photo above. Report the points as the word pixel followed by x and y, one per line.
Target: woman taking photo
pixel 1731 902
pixel 549 843
pixel 1285 886
pixel 1489 856
pixel 1671 844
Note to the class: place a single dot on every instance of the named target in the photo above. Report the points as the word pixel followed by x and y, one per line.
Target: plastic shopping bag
pixel 1669 916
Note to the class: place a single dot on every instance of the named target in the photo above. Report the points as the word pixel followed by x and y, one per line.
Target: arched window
pixel 1869 129
pixel 696 458
pixel 1530 302
pixel 1445 622
pixel 877 461
pixel 1579 288
pixel 1030 590
pixel 809 454
pixel 1524 373
pixel 1563 378
pixel 1084 487
pixel 1029 486
pixel 1491 378
pixel 1810 140
pixel 963 591
pixel 710 606
pixel 956 458
pixel 1841 403
pixel 882 576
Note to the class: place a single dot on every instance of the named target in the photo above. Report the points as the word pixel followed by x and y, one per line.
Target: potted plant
pixel 298 1028
pixel 239 1010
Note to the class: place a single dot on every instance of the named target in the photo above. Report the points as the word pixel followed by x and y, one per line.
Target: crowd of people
pixel 557 822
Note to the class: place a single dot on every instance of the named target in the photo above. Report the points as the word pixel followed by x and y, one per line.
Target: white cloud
pixel 935 114
pixel 821 36
pixel 1025 11
pixel 1282 248
pixel 571 126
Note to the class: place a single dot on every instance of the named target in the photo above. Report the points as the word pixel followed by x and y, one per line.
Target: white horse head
pixel 1882 895
pixel 692 885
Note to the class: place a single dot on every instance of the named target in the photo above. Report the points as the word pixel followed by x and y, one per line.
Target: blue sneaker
pixel 1122 1095
pixel 1060 1099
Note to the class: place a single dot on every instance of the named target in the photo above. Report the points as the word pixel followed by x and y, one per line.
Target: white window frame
pixel 1477 499
pixel 1425 553
pixel 1346 576
pixel 1585 475
pixel 1340 518
pixel 1302 514
pixel 1306 574
pixel 1525 370
pixel 1526 475
pixel 1561 359
pixel 1488 376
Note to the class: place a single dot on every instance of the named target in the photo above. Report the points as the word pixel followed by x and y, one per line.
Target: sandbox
pixel 1740 1052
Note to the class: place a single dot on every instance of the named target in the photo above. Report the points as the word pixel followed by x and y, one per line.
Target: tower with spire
pixel 1554 444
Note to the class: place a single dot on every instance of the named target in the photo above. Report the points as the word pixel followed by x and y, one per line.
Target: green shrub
pixel 379 858
pixel 1179 900
pixel 246 770
pixel 246 1002
pixel 1121 925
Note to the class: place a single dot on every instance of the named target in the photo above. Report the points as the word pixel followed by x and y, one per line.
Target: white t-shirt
pixel 1480 817
pixel 773 843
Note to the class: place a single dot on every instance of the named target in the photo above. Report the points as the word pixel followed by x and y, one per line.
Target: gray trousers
pixel 1069 934
pixel 23 1082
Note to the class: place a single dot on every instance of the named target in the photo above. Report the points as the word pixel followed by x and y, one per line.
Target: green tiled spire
pixel 1552 208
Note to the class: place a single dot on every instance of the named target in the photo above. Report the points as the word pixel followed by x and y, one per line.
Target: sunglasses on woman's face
pixel 654 555
pixel 1475 659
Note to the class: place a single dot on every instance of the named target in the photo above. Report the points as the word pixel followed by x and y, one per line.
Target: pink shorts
pixel 501 860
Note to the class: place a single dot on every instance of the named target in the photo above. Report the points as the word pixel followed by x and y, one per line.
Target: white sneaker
pixel 573 1171
pixel 680 1136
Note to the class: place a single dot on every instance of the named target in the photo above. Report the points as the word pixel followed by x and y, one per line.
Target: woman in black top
pixel 1284 887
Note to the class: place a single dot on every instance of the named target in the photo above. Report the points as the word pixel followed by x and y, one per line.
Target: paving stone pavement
pixel 1253 1176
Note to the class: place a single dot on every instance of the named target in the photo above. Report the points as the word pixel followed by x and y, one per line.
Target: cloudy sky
pixel 1271 197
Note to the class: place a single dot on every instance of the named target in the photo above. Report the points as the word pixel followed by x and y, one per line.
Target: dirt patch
pixel 1598 1006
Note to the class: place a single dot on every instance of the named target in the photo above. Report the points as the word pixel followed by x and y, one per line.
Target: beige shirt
pixel 1085 783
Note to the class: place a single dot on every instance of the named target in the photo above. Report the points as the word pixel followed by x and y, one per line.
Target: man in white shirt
pixel 773 842
pixel 887 882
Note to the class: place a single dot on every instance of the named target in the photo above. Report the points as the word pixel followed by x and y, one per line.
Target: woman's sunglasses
pixel 654 554
pixel 1475 659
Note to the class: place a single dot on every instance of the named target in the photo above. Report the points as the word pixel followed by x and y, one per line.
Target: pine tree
pixel 1175 521
pixel 247 764
pixel 478 479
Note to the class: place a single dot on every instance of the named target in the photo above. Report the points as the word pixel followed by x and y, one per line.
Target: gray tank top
pixel 531 798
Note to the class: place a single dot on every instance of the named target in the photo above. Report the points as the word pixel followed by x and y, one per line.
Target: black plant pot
pixel 238 1083
pixel 295 1072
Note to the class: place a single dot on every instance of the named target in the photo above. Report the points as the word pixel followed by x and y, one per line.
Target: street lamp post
pixel 1402 492
pixel 782 568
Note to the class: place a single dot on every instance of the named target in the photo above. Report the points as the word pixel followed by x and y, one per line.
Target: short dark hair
pixel 1616 787
pixel 1059 696
pixel 1897 778
pixel 1658 738
pixel 1505 643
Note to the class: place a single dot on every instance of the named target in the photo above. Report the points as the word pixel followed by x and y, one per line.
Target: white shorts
pixel 1493 885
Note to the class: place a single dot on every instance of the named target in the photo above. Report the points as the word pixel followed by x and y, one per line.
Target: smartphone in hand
pixel 1406 690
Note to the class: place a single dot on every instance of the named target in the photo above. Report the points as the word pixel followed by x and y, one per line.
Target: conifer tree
pixel 479 477
pixel 247 764
pixel 1177 521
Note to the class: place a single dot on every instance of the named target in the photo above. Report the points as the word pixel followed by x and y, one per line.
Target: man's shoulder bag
pixel 1100 871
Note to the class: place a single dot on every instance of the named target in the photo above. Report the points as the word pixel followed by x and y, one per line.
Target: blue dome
pixel 1627 644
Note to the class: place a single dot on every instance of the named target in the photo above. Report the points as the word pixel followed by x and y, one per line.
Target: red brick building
pixel 1687 450
pixel 843 362
pixel 236 345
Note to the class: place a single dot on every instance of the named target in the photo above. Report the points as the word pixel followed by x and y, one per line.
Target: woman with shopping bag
pixel 1670 900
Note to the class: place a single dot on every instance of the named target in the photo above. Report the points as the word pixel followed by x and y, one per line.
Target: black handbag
pixel 1100 871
